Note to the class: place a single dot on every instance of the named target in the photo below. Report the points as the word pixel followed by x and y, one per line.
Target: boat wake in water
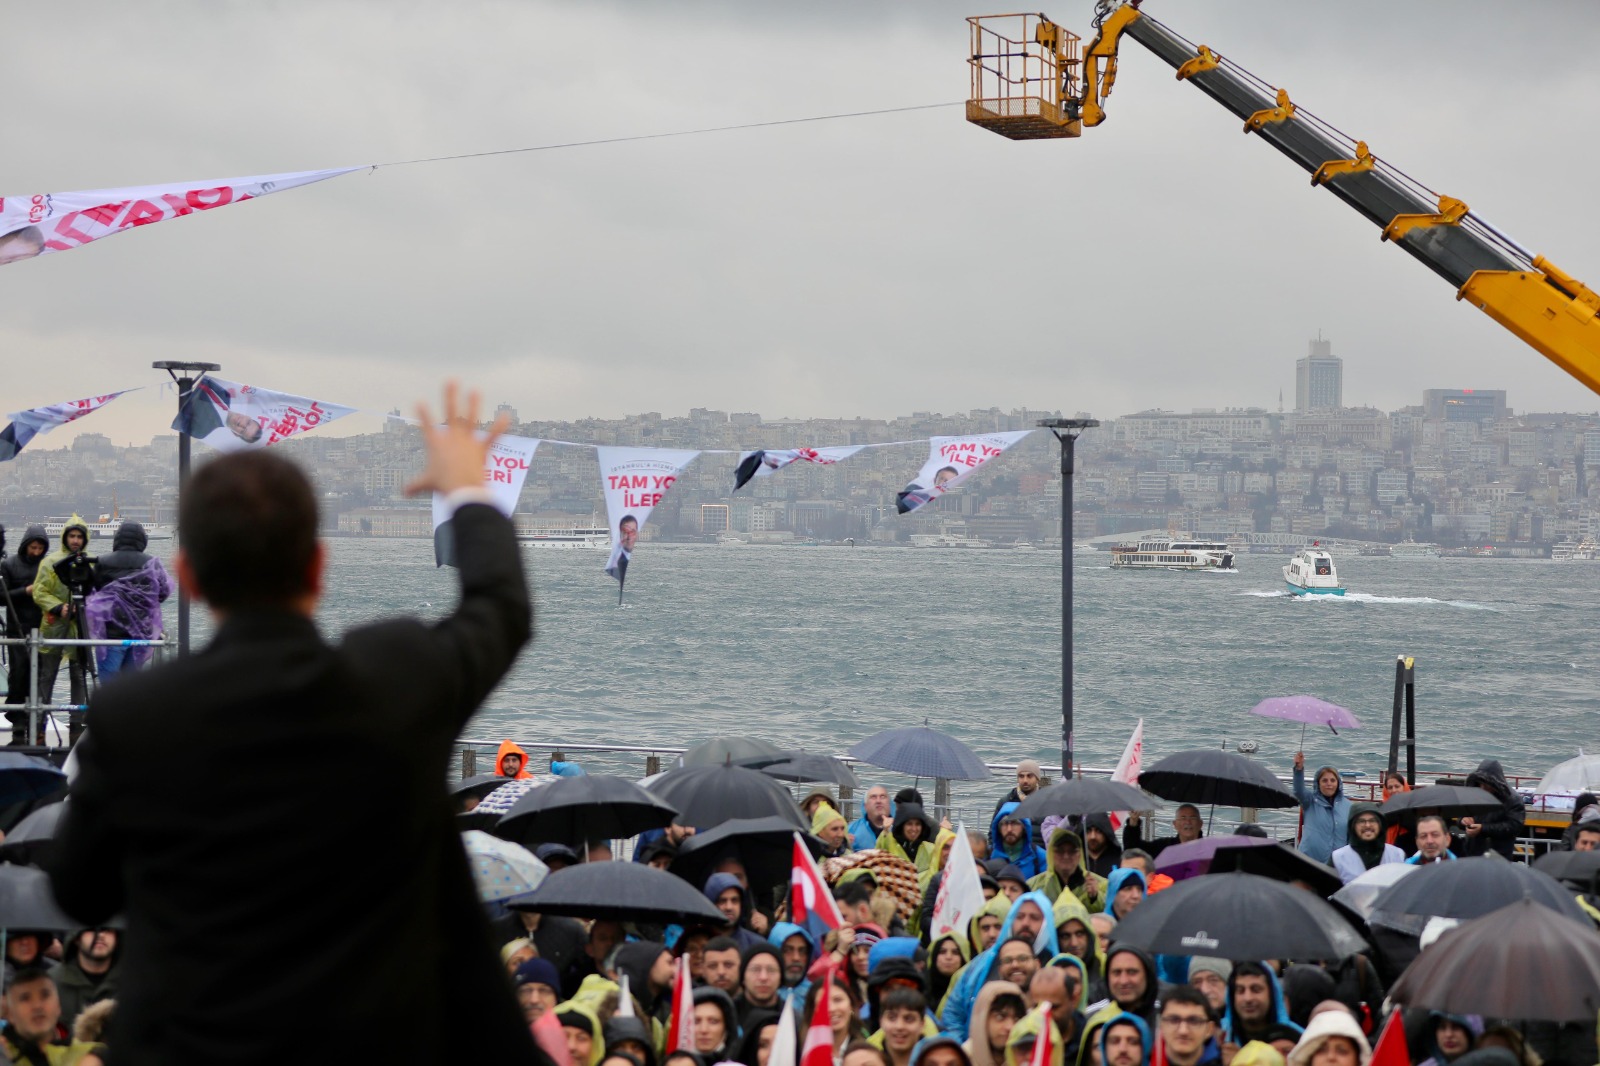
pixel 1367 597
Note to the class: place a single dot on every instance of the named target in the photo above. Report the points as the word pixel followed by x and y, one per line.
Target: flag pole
pixel 1066 430
pixel 179 372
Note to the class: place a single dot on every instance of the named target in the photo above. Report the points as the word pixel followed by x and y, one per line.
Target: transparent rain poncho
pixel 130 605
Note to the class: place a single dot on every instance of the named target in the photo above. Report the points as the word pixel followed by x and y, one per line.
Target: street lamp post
pixel 179 373
pixel 1066 431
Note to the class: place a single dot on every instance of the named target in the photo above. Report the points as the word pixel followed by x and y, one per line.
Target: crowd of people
pixel 896 995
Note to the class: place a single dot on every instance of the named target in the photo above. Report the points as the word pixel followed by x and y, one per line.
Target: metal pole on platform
pixel 1066 431
pixel 179 372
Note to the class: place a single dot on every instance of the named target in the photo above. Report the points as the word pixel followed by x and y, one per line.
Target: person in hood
pixel 1255 1005
pixel 1030 778
pixel 130 586
pixel 1101 852
pixel 716 1024
pixel 829 826
pixel 1187 826
pixel 1068 872
pixel 1394 783
pixel 1367 847
pixel 511 760
pixel 1585 811
pixel 946 955
pixel 797 950
pixel 941 1050
pixel 877 815
pixel 1332 1039
pixel 54 600
pixel 730 897
pixel 1125 890
pixel 1064 985
pixel 911 837
pixel 628 1035
pixel 1029 918
pixel 585 1043
pixel 999 1007
pixel 17 574
pixel 1025 1035
pixel 1450 1036
pixel 1011 839
pixel 760 1031
pixel 87 972
pixel 760 983
pixel 1326 811
pixel 1133 984
pixel 1077 937
pixel 1125 1041
pixel 1499 830
pixel 647 964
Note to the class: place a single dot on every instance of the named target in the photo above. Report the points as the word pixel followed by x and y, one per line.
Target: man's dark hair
pixel 249 526
pixel 29 974
pixel 1190 995
pixel 1444 826
pixel 908 795
pixel 853 893
pixel 1024 941
pixel 1586 827
pixel 1009 1001
pixel 723 943
pixel 902 999
pixel 1246 969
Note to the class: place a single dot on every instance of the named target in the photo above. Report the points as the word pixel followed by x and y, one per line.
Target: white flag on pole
pixel 960 893
pixel 1127 770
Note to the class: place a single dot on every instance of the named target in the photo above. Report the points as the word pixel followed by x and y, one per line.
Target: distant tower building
pixel 509 411
pixel 1319 379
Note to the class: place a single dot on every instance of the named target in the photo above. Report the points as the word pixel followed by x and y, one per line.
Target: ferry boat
pixel 1311 573
pixel 103 528
pixel 946 540
pixel 1584 551
pixel 1165 554
pixel 1410 549
pixel 591 538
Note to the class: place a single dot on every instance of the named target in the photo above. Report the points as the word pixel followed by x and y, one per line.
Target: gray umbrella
pixel 27 902
pixel 707 796
pixel 740 751
pixel 922 752
pixel 803 768
pixel 29 840
pixel 571 810
pixel 1238 916
pixel 1467 888
pixel 1082 795
pixel 625 891
pixel 1403 807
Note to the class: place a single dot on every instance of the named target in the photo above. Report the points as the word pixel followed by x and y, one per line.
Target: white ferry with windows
pixel 1411 549
pixel 1162 553
pixel 591 538
pixel 1311 573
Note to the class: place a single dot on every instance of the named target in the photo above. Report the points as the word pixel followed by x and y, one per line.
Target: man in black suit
pixel 272 915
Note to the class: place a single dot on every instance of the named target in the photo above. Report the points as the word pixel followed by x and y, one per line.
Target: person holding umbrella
pixel 1187 826
pixel 1325 827
pixel 1497 831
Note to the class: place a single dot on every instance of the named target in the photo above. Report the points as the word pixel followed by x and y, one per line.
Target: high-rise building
pixel 1319 379
pixel 1465 405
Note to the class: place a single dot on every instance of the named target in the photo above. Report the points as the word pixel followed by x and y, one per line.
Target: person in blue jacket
pixel 1031 916
pixel 1011 838
pixel 1325 824
pixel 795 983
pixel 1255 1004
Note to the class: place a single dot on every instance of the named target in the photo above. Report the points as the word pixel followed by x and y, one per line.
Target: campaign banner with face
pixel 232 417
pixel 950 460
pixel 60 221
pixel 765 463
pixel 505 468
pixel 26 425
pixel 634 481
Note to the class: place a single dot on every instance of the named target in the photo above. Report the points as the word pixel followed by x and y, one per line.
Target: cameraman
pixel 54 597
pixel 129 587
pixel 22 617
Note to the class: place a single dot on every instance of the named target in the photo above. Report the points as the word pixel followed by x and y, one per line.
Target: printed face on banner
pixel 950 460
pixel 504 471
pixel 58 222
pixel 634 481
pixel 767 462
pixel 231 417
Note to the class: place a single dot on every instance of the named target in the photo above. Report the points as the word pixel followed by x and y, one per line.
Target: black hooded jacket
pixel 1111 856
pixel 635 959
pixel 127 554
pixel 17 572
pixel 1502 827
pixel 1145 1008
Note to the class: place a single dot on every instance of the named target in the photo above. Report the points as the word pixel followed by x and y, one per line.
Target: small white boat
pixel 1311 573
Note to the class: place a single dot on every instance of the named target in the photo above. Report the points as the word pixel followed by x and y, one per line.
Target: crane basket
pixel 1025 72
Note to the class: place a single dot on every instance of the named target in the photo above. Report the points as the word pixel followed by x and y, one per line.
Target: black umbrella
pixel 574 809
pixel 1081 795
pixel 625 891
pixel 30 838
pixel 1214 776
pixel 1575 867
pixel 1467 888
pixel 765 846
pixel 740 751
pixel 27 902
pixel 921 751
pixel 1523 962
pixel 28 777
pixel 707 796
pixel 1281 863
pixel 480 785
pixel 1238 916
pixel 803 768
pixel 1403 807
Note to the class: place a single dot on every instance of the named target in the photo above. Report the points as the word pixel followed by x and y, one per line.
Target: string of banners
pixel 230 416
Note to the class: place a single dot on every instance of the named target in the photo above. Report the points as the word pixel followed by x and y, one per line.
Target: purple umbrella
pixel 1307 710
pixel 1183 861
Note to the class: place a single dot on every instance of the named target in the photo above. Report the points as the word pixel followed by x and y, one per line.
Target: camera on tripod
pixel 76 572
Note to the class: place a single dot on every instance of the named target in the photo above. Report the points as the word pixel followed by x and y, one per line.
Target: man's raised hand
pixel 456 450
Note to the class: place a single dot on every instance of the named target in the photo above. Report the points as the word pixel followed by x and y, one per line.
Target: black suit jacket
pixel 270 815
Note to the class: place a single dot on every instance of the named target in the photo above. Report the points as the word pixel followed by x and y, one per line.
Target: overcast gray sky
pixel 870 266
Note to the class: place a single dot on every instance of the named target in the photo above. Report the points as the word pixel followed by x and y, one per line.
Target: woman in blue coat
pixel 1325 813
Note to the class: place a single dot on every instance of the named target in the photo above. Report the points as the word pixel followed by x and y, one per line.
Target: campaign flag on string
pixel 783 1044
pixel 811 904
pixel 680 1027
pixel 634 480
pixel 960 895
pixel 504 470
pixel 950 460
pixel 1044 1048
pixel 26 425
pixel 818 1050
pixel 60 221
pixel 1127 770
pixel 232 417
pixel 765 462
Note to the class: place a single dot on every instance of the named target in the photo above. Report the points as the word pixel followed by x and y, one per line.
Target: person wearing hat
pixel 1025 1034
pixel 829 826
pixel 538 988
pixel 585 1044
pixel 1029 778
pixel 514 953
pixel 911 837
pixel 1332 1039
pixel 1210 976
pixel 809 802
pixel 1011 881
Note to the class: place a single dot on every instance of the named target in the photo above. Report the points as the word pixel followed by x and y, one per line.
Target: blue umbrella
pixel 922 752
pixel 28 777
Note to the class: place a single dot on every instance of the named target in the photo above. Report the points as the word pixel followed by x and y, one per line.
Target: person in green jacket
pixel 1069 872
pixel 54 600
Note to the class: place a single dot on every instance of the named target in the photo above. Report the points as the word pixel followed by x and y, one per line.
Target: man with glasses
pixel 1186 1035
pixel 1186 825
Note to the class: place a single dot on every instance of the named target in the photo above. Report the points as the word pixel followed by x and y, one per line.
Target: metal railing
pixel 35 643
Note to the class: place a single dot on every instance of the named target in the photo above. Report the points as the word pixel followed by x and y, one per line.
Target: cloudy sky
pixel 870 266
